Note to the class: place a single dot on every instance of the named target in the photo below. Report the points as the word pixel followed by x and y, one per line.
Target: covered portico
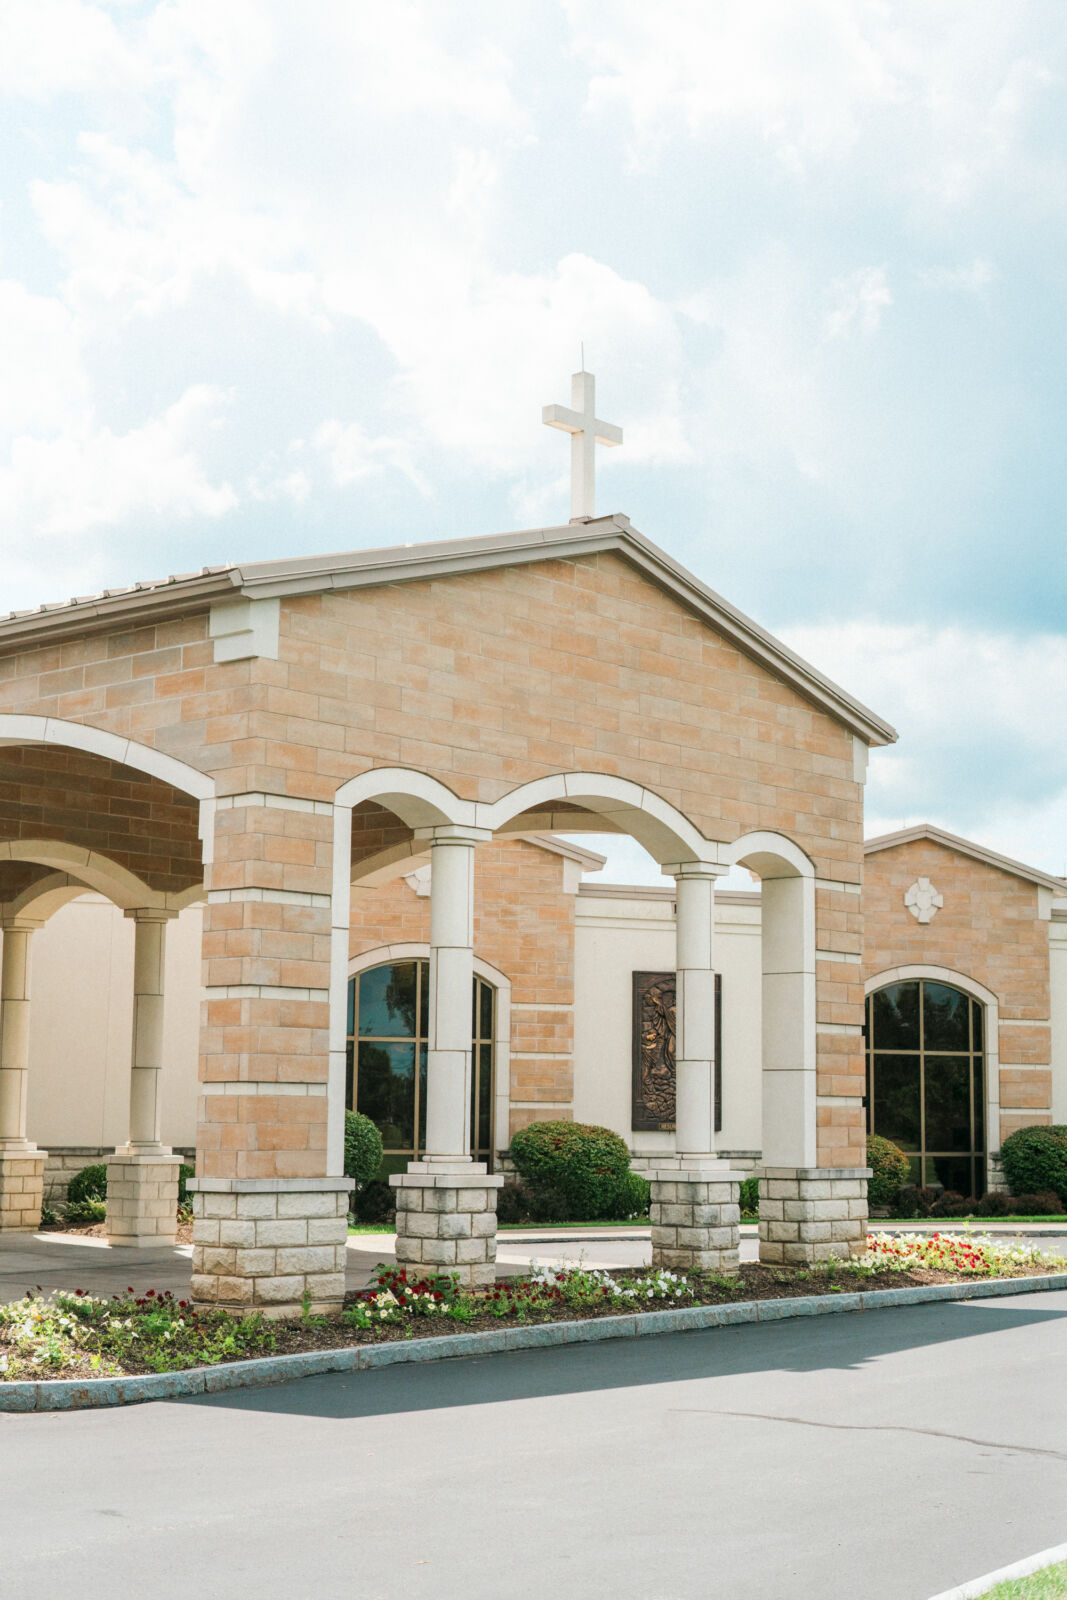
pixel 321 723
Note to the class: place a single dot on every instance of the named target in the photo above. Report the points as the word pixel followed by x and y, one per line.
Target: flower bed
pixel 76 1335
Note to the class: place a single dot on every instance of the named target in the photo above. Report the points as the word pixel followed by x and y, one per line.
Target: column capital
pixel 702 870
pixel 20 924
pixel 150 914
pixel 454 833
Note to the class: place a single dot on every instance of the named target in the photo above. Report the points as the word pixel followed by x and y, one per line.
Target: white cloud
pixel 860 300
pixel 353 455
pixel 981 750
pixel 91 477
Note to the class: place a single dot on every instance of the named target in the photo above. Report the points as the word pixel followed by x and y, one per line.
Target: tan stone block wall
pixel 988 929
pixel 485 681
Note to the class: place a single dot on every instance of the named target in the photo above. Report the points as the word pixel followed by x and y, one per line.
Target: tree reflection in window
pixel 388 1018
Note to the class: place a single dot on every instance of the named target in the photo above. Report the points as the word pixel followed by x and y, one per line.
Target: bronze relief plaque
pixel 654 1062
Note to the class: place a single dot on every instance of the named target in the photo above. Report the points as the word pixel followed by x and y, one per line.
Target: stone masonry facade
pixel 480 680
pixel 446 1223
pixel 812 1215
pixel 262 1249
pixel 992 928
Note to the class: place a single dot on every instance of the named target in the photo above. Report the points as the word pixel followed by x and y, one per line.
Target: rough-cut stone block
pixel 455 1225
pixel 472 1199
pixel 288 1231
pixel 274 1291
pixel 257 1206
pixel 307 1203
pixel 440 1252
pixel 483 1225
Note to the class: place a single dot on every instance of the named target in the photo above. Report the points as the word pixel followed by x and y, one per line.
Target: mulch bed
pixel 753 1282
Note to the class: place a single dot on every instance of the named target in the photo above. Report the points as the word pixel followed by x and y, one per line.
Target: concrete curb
pixel 78 1394
pixel 1019 1569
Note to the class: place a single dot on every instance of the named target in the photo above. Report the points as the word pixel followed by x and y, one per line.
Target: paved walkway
pixel 887 1456
pixel 77 1261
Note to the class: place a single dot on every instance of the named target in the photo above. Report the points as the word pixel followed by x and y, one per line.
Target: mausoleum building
pixel 284 837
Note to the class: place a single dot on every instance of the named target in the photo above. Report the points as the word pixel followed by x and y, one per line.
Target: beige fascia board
pixel 173 597
pixel 966 847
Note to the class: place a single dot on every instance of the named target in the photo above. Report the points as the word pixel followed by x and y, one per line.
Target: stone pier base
pixel 264 1244
pixel 142 1199
pixel 696 1218
pixel 809 1214
pixel 21 1189
pixel 446 1220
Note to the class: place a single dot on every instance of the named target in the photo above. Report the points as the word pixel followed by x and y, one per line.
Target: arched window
pixel 388 1012
pixel 926 1080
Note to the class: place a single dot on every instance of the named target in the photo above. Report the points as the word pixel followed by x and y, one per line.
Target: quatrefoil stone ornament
pixel 923 900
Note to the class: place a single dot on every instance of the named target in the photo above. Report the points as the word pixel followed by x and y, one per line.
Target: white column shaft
pixel 14 1036
pixel 149 952
pixel 695 1016
pixel 448 1071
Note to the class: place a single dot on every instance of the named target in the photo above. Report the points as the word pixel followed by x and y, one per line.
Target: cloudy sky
pixel 281 278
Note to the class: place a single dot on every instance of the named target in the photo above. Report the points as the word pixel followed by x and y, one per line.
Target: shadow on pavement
pixel 844 1341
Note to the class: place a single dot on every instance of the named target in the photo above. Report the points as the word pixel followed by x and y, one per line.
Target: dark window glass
pixel 951 1172
pixel 387 1002
pixel 895 1017
pixel 927 1094
pixel 485 1106
pixel 390 1005
pixel 895 1100
pixel 386 1091
pixel 948 1103
pixel 946 1018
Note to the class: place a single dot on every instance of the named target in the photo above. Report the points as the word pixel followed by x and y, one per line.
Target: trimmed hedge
pixel 890 1170
pixel 363 1149
pixel 585 1166
pixel 88 1184
pixel 1035 1160
pixel 749 1197
pixel 635 1196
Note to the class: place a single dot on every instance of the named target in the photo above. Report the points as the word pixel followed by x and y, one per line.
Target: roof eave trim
pixel 967 847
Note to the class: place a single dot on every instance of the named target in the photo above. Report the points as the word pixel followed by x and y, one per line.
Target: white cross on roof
pixel 586 431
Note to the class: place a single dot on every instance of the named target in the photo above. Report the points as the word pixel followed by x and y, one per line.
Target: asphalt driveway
pixel 886 1455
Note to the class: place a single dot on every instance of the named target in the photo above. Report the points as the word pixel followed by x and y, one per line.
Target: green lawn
pixel 976 1222
pixel 1051 1584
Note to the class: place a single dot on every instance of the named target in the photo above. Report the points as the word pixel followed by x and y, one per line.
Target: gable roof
pixel 357 569
pixel 965 847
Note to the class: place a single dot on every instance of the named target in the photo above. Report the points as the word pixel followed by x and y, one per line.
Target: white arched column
pixel 695 1209
pixel 446 1203
pixel 21 1163
pixel 807 1213
pixel 142 1176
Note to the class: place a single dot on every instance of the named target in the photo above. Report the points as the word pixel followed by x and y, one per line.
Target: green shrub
pixel 749 1198
pixel 374 1202
pixel 88 1184
pixel 635 1196
pixel 584 1165
pixel 185 1172
pixel 890 1170
pixel 83 1211
pixel 1035 1160
pixel 363 1149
